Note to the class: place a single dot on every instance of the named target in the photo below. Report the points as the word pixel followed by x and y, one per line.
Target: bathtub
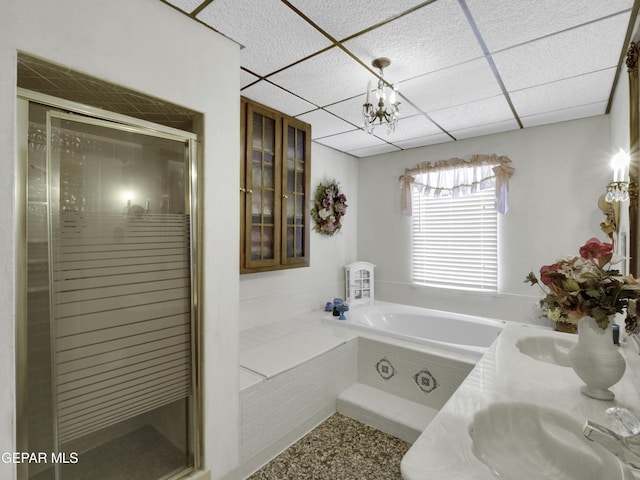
pixel 453 332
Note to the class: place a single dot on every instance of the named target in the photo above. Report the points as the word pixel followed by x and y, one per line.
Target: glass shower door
pixel 113 221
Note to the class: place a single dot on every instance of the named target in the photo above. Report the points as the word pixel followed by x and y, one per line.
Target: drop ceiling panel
pixel 424 141
pixel 412 127
pixel 481 112
pixel 349 110
pixel 568 93
pixel 266 93
pixel 185 5
pixel 272 34
pixel 342 19
pixel 487 129
pixel 326 78
pixel 370 151
pixel 504 23
pixel 556 58
pixel 571 53
pixel 247 78
pixel 563 115
pixel 434 37
pixel 325 124
pixel 351 141
pixel 452 86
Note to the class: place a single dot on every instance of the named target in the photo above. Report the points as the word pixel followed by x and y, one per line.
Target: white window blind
pixel 455 241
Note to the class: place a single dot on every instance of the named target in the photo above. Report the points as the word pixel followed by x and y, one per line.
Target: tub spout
pixel 626 448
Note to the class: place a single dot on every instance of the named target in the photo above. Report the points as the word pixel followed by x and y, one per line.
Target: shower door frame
pixel 81 112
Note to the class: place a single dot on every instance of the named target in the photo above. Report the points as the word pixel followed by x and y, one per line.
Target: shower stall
pixel 108 332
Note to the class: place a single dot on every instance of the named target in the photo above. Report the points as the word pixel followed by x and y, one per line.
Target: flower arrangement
pixel 585 285
pixel 330 205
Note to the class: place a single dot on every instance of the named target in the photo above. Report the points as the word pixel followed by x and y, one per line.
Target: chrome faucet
pixel 626 448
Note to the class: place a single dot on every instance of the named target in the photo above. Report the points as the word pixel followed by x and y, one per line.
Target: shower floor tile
pixel 144 454
pixel 339 448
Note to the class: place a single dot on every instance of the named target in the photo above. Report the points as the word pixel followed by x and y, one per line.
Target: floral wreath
pixel 329 206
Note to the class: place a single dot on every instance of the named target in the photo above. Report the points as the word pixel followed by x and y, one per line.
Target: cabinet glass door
pixel 262 235
pixel 295 228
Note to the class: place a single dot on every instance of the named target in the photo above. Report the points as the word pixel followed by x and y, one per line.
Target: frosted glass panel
pixel 109 312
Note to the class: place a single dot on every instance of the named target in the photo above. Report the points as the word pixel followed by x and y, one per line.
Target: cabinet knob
pixel 285 196
pixel 243 189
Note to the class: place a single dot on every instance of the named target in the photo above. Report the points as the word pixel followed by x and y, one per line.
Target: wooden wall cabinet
pixel 274 190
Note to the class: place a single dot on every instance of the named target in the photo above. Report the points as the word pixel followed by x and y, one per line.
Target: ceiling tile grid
pixel 352 140
pixel 343 19
pixel 480 112
pixel 187 6
pixel 247 78
pixel 325 123
pixel 462 83
pixel 376 150
pixel 273 35
pixel 486 129
pixel 408 128
pixel 431 38
pixel 505 23
pixel 563 94
pixel 572 113
pixel 268 94
pixel 551 60
pixel 424 141
pixel 326 78
pixel 568 54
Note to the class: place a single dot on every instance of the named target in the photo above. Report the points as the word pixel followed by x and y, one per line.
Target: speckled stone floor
pixel 340 448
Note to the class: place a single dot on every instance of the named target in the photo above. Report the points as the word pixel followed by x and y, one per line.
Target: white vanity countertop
pixel 444 450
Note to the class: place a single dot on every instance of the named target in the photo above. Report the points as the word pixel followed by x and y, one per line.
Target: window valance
pixel 458 177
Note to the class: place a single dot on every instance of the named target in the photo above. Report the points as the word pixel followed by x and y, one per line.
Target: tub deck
pixel 295 373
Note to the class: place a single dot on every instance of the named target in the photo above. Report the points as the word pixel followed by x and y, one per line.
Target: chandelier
pixel 386 111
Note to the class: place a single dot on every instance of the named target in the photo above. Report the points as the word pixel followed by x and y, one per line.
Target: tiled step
pixel 389 413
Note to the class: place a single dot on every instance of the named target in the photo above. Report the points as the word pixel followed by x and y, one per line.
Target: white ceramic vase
pixel 596 360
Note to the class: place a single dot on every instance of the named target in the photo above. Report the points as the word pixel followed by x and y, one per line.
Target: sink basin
pixel 546 349
pixel 523 441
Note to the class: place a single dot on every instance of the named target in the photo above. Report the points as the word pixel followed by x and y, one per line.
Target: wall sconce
pixel 618 189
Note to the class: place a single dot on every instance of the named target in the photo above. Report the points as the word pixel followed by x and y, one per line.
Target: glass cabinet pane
pixel 296 193
pixel 262 190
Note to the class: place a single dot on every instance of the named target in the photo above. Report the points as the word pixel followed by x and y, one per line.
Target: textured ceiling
pixel 463 68
pixel 44 77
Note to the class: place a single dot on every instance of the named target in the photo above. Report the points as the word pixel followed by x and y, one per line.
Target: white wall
pixel 145 46
pixel 272 296
pixel 619 114
pixel 561 170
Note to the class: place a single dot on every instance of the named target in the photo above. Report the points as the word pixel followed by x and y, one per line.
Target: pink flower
pixel 544 273
pixel 594 248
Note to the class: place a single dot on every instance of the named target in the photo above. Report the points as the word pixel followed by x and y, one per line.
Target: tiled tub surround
pixel 400 389
pixel 444 450
pixel 292 372
pixel 290 375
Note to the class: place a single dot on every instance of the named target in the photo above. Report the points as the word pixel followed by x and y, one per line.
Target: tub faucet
pixel 626 448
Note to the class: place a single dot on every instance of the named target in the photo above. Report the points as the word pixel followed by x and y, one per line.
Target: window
pixel 455 241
